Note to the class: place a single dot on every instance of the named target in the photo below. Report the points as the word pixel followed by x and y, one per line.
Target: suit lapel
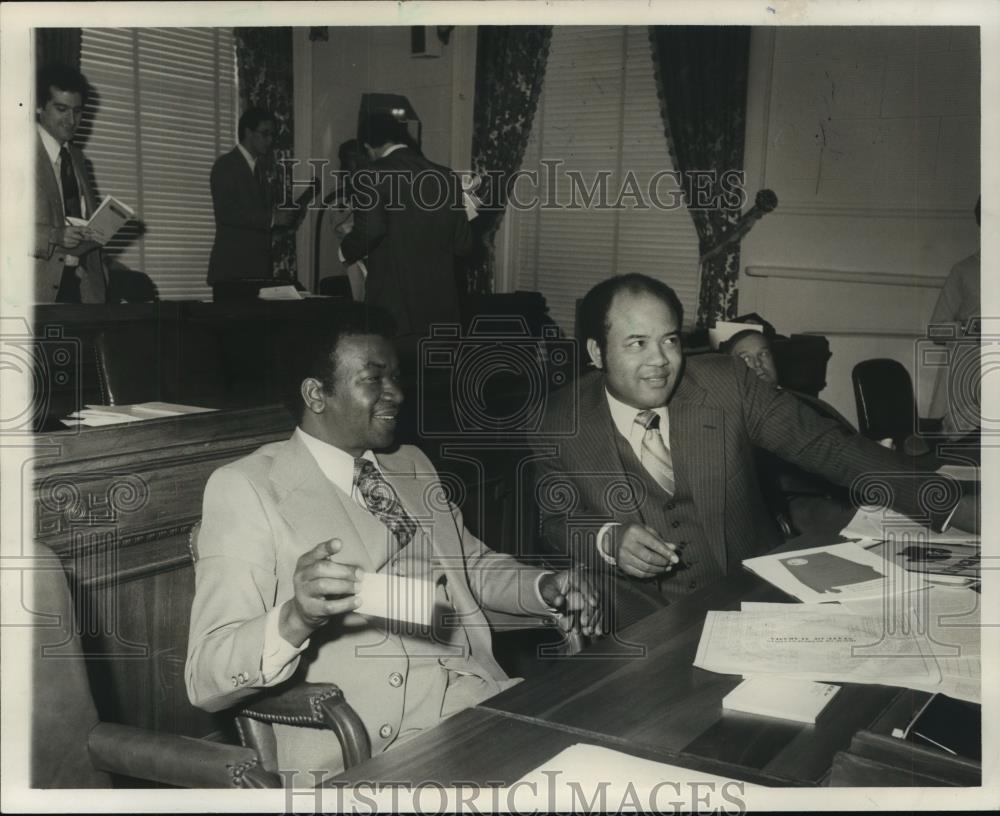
pixel 47 177
pixel 697 447
pixel 599 436
pixel 318 511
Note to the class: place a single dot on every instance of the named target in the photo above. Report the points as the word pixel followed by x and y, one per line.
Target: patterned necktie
pixel 70 188
pixel 382 501
pixel 654 455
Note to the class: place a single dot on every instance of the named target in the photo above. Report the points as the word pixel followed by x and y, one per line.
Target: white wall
pixel 357 60
pixel 870 138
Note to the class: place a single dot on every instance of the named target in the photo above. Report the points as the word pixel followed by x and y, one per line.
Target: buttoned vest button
pixel 395 679
pixel 675 524
pixel 385 731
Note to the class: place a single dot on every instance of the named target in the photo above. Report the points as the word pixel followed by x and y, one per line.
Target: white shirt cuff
pixel 538 591
pixel 602 536
pixel 278 658
pixel 340 255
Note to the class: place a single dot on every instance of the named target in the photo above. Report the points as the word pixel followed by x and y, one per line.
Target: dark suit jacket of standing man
pixel 409 250
pixel 49 258
pixel 242 247
pixel 716 516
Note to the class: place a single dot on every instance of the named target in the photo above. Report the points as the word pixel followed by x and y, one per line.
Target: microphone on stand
pixel 764 202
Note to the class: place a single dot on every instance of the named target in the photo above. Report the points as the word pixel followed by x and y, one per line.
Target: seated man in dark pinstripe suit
pixel 658 478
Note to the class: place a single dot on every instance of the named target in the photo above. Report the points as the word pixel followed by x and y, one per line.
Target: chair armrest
pixel 170 759
pixel 314 705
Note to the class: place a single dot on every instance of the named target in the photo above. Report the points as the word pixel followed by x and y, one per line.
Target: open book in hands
pixel 109 217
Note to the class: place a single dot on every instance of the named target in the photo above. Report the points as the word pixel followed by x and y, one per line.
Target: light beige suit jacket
pixel 49 258
pixel 264 511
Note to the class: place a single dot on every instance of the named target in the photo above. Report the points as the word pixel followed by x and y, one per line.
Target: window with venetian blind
pixel 598 113
pixel 163 109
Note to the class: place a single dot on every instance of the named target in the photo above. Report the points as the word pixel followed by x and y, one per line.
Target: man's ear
pixel 312 394
pixel 594 351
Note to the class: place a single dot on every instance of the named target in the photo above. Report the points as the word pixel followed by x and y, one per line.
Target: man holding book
pixel 68 263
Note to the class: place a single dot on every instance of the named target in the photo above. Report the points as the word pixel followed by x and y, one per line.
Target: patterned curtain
pixel 58 46
pixel 264 73
pixel 701 78
pixel 510 66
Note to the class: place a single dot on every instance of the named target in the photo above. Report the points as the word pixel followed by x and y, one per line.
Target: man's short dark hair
pixel 315 353
pixel 252 118
pixel 382 128
pixel 726 347
pixel 596 304
pixel 63 78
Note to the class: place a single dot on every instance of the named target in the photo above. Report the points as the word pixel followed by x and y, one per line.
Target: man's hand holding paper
pixel 323 588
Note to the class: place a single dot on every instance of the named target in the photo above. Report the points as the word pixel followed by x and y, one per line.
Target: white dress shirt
pixel 248 156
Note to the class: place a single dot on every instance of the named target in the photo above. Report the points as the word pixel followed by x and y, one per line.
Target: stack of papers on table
pixel 780 697
pixel 888 525
pixel 926 640
pixel 95 416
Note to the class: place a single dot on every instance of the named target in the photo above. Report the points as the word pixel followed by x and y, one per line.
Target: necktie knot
pixel 653 454
pixel 648 419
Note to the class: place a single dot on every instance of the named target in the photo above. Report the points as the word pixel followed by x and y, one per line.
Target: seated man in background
pixel 656 473
pixel 289 532
pixel 801 502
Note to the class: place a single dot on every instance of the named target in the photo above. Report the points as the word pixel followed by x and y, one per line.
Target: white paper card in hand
pixel 394 598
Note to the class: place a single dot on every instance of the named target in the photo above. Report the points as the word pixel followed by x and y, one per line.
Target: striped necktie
pixel 382 501
pixel 655 456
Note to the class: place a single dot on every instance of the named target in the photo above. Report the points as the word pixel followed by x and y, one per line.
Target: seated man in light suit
pixel 661 460
pixel 288 532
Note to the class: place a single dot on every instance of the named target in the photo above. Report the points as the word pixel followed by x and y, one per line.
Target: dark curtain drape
pixel 264 73
pixel 510 67
pixel 58 46
pixel 701 77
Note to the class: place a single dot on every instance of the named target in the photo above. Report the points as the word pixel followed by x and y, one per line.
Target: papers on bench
pixel 95 416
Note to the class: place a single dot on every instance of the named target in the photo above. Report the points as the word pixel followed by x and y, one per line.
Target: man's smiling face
pixel 360 411
pixel 642 360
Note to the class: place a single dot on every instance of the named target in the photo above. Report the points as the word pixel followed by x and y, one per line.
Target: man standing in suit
pixel 68 264
pixel 245 216
pixel 288 533
pixel 658 479
pixel 409 225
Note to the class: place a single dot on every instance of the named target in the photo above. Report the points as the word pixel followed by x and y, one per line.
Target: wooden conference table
pixel 642 696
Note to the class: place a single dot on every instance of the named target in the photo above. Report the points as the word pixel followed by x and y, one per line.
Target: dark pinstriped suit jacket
pixel 718 413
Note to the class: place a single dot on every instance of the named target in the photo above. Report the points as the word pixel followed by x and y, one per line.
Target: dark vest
pixel 675 518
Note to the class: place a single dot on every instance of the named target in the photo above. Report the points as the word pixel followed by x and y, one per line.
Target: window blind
pixel 598 113
pixel 163 109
